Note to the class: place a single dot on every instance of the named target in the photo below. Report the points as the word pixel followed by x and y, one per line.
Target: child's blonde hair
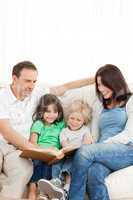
pixel 81 107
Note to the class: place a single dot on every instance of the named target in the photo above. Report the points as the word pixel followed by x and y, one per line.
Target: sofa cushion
pixel 120 184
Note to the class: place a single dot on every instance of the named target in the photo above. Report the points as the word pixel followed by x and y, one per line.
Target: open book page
pixel 45 155
pixel 68 150
pixel 49 155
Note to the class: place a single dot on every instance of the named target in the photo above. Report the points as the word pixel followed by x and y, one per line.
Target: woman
pixel 114 149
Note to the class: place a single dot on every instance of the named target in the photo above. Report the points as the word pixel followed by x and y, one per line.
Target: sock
pixel 66 187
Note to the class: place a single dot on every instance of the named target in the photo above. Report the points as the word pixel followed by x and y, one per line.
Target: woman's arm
pixel 61 89
pixel 126 135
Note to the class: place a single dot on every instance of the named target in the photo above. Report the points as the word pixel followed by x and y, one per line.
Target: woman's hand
pixel 58 90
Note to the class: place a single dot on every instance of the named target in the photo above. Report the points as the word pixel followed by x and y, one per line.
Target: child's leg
pixel 32 191
pixel 41 170
pixel 66 174
pixel 56 169
pixel 52 188
pixel 67 180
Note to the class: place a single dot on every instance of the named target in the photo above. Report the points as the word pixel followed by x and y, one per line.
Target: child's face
pixel 75 121
pixel 50 115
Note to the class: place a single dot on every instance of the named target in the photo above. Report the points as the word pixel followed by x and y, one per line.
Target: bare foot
pixel 32 197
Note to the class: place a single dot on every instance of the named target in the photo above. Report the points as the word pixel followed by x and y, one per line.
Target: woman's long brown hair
pixel 112 78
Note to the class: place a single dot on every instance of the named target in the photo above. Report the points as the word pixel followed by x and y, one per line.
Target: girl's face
pixel 50 115
pixel 75 121
pixel 105 91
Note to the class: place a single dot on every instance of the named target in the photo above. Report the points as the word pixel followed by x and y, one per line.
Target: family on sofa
pixel 111 148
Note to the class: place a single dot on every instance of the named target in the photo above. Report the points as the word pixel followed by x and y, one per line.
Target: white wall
pixel 66 39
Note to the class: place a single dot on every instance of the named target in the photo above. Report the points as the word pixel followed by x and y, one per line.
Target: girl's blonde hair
pixel 81 107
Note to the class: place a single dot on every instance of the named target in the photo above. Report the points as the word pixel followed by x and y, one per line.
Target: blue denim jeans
pixel 41 170
pixel 62 167
pixel 67 166
pixel 96 188
pixel 112 156
pixel 56 169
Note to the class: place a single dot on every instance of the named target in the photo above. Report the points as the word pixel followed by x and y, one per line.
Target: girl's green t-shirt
pixel 48 135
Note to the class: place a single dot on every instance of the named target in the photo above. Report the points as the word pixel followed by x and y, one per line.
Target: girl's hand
pixel 60 154
pixel 87 139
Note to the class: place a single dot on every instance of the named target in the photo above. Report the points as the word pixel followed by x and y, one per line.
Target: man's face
pixel 25 83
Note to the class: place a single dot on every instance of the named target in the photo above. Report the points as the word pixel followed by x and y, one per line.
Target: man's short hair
pixel 23 65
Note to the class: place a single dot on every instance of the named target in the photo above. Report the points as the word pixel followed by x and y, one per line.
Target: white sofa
pixel 119 183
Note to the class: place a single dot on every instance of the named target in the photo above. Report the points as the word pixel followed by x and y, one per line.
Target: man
pixel 18 101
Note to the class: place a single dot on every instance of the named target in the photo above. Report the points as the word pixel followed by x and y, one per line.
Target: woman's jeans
pixel 96 187
pixel 101 159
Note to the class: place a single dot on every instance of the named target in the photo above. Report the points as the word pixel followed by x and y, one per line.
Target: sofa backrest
pixel 87 94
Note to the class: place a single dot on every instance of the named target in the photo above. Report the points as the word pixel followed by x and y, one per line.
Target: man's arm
pixel 61 89
pixel 14 137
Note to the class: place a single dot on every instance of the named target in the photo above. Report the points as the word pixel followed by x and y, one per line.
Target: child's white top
pixel 74 137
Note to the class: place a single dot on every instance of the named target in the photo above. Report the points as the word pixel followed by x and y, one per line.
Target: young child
pixel 76 133
pixel 45 132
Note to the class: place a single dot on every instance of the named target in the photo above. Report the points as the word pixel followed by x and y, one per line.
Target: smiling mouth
pixel 105 94
pixel 50 119
pixel 73 125
pixel 28 91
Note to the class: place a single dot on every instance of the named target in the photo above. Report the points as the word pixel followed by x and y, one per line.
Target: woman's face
pixel 105 91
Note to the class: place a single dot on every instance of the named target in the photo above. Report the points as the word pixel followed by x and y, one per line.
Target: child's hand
pixel 87 139
pixel 65 143
pixel 60 154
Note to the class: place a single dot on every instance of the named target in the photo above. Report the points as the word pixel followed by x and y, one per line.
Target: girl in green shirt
pixel 47 124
